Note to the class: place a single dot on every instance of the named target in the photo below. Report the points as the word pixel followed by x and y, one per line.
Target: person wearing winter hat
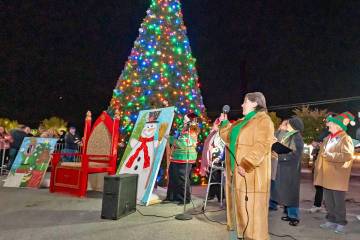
pixel 333 168
pixel 318 198
pixel 279 133
pixel 287 180
pixel 183 150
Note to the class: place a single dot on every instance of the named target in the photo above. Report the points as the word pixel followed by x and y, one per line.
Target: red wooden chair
pixel 99 155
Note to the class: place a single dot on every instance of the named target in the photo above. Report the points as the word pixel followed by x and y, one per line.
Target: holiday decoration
pixel 145 150
pixel 160 71
pixel 31 162
pixel 343 120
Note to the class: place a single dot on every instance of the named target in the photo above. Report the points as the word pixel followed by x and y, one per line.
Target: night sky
pixel 64 57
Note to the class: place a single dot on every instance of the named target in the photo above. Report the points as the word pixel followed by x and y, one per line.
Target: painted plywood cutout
pixel 31 162
pixel 145 150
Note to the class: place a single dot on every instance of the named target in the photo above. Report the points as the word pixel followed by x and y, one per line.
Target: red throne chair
pixel 99 155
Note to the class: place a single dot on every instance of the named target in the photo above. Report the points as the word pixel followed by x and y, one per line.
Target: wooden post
pixel 87 130
pixel 115 138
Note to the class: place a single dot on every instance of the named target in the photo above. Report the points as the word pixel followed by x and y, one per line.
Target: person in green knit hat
pixel 333 168
pixel 183 149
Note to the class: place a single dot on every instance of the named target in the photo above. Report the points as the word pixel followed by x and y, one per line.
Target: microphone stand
pixel 185 216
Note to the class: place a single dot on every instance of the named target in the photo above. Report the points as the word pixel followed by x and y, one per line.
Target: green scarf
pixel 287 136
pixel 235 133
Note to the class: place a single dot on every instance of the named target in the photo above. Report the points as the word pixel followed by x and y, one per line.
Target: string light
pixel 160 67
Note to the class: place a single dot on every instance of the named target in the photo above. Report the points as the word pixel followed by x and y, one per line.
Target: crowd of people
pixel 10 142
pixel 259 180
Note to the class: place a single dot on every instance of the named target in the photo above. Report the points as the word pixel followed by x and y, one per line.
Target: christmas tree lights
pixel 160 71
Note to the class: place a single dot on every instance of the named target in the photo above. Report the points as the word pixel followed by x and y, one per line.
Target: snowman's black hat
pixel 153 116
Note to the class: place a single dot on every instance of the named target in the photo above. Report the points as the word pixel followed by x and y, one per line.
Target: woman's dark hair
pixel 259 98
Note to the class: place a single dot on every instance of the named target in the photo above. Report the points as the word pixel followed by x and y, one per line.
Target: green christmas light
pixel 142 99
pixel 160 67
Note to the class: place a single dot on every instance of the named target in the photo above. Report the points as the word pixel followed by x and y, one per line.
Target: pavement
pixel 38 214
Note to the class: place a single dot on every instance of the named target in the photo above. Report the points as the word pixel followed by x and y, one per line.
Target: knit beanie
pixel 296 123
pixel 343 120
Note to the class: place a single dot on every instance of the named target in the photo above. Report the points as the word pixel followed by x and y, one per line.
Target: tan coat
pixel 253 153
pixel 333 170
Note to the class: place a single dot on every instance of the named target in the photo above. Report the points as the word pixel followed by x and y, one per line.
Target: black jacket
pixel 18 137
pixel 71 141
pixel 287 182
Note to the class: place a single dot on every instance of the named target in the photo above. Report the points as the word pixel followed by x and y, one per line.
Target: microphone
pixel 226 109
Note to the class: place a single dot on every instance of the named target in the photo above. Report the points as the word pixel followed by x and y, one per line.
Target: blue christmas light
pixel 161 52
pixel 160 174
pixel 176 133
pixel 133 117
pixel 117 92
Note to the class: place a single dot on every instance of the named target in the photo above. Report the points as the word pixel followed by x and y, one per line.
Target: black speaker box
pixel 119 196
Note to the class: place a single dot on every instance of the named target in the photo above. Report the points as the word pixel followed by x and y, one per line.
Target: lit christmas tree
pixel 160 71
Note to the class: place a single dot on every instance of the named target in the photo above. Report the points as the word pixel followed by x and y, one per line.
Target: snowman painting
pixel 141 157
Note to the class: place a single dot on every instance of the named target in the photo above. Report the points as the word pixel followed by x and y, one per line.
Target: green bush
pixel 55 123
pixel 8 124
pixel 313 122
pixel 276 120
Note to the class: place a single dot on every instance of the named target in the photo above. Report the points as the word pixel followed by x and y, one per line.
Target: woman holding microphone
pixel 248 168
